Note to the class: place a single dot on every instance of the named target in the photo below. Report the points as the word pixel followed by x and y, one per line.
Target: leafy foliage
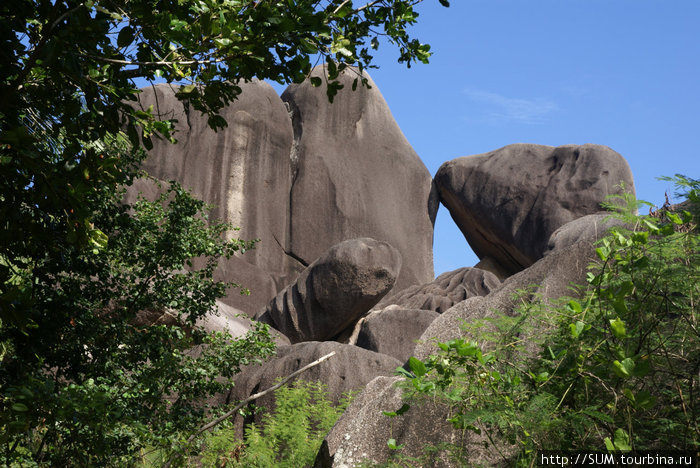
pixel 86 380
pixel 616 370
pixel 80 381
pixel 288 437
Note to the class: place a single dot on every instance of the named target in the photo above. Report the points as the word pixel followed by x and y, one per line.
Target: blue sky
pixel 621 73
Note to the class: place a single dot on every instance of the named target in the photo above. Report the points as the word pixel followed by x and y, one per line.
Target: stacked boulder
pixel 508 202
pixel 301 175
pixel 344 210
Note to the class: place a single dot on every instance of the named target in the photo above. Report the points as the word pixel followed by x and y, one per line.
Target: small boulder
pixel 393 331
pixel 508 202
pixel 334 291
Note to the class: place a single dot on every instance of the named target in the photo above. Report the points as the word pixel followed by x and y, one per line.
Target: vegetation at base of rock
pixel 288 437
pixel 615 370
pixel 84 381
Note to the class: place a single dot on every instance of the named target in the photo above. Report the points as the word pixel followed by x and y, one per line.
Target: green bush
pixel 288 437
pixel 617 368
pixel 82 380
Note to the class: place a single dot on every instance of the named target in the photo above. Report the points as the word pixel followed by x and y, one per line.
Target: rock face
pixel 355 175
pixel 301 175
pixel 393 331
pixel 351 368
pixel 362 432
pixel 243 170
pixel 508 202
pixel 334 291
pixel 445 291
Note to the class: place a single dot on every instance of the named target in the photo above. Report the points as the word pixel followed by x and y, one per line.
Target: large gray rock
pixel 394 330
pixel 446 290
pixel 362 432
pixel 508 202
pixel 301 176
pixel 356 175
pixel 334 291
pixel 554 277
pixel 244 170
pixel 350 369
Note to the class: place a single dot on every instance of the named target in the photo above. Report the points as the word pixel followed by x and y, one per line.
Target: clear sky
pixel 621 73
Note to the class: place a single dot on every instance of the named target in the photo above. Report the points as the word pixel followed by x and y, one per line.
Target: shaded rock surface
pixel 350 369
pixel 553 276
pixel 334 291
pixel 356 175
pixel 508 202
pixel 446 290
pixel 394 330
pixel 244 170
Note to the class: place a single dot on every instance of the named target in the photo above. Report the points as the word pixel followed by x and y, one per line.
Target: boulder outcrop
pixel 356 175
pixel 300 174
pixel 334 291
pixel 244 171
pixel 363 430
pixel 508 202
pixel 554 277
pixel 590 227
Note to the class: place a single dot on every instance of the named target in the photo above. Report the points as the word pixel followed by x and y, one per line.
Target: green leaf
pixel 20 407
pixel 623 369
pixel 575 307
pixel 417 366
pixel 674 218
pixel 645 400
pixel 576 328
pixel 223 42
pixel 608 444
pixel 187 89
pixel 640 237
pixel 617 327
pixel 602 253
pixel 391 443
pixel 642 367
pixel 315 81
pixel 622 440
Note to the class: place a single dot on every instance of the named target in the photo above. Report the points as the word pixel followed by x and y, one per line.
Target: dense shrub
pixel 617 369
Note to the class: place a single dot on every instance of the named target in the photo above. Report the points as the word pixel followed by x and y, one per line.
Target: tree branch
pixel 240 405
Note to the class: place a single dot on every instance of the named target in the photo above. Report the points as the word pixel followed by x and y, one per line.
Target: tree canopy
pixel 78 376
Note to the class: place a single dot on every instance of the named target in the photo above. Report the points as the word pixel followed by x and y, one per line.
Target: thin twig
pixel 240 405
